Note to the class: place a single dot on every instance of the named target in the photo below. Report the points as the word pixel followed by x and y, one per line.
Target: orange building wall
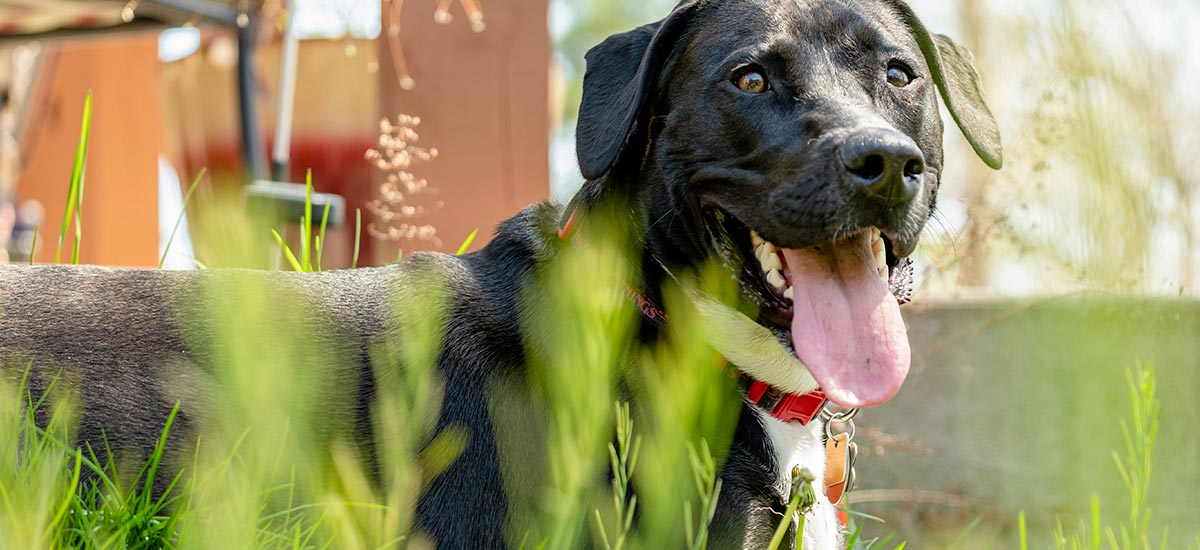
pixel 483 102
pixel 120 210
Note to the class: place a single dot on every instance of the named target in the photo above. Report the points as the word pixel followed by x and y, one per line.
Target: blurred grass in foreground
pixel 273 465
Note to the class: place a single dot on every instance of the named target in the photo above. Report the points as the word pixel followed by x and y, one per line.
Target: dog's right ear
pixel 622 73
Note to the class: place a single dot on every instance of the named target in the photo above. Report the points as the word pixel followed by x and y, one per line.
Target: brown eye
pixel 899 76
pixel 752 82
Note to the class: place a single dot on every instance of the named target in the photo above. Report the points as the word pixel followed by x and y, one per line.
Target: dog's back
pixel 127 345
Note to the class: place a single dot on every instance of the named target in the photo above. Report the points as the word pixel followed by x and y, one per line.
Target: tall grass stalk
pixel 74 206
pixel 1135 468
pixel 576 375
pixel 690 405
pixel 462 249
pixel 708 488
pixel 357 236
pixel 187 197
pixel 33 244
pixel 800 501
pixel 622 456
pixel 36 477
pixel 306 224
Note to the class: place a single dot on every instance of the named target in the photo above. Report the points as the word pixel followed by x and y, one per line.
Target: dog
pixel 798 142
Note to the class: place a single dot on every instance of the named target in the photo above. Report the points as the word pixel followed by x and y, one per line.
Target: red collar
pixel 788 407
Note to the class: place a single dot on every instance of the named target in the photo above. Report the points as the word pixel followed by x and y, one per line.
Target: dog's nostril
pixel 868 167
pixel 914 167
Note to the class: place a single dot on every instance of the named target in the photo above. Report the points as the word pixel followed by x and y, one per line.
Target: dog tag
pixel 840 453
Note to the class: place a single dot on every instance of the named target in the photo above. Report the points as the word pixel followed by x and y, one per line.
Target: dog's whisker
pixel 660 219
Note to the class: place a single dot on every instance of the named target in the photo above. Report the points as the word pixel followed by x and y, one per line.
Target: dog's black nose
pixel 885 163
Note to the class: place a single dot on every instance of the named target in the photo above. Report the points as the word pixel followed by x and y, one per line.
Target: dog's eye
pixel 751 82
pixel 899 76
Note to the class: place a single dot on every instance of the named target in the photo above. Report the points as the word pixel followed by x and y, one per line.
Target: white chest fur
pixel 796 445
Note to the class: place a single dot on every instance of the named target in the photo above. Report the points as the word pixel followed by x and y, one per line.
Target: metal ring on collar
pixel 850 430
pixel 845 417
pixel 841 416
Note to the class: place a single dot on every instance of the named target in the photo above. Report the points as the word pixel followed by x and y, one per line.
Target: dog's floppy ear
pixel 621 75
pixel 960 88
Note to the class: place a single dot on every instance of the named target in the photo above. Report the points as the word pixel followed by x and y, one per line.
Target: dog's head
pixel 800 141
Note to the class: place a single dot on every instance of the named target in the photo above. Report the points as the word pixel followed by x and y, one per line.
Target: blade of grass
pixel 151 468
pixel 287 252
pixel 182 212
pixel 75 191
pixel 321 235
pixel 78 226
pixel 1021 531
pixel 801 501
pixel 782 528
pixel 467 243
pixel 317 244
pixel 33 244
pixel 73 486
pixel 306 224
pixel 357 235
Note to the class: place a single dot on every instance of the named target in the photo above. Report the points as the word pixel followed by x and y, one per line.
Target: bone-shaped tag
pixel 840 453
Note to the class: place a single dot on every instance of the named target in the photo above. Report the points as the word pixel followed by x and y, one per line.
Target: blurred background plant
pixel 398 208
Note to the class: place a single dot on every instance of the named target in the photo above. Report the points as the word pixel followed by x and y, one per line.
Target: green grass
pixel 187 197
pixel 74 208
pixel 800 501
pixel 1135 468
pixel 305 262
pixel 462 249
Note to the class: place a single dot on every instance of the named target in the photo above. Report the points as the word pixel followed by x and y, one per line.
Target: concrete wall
pixel 1016 406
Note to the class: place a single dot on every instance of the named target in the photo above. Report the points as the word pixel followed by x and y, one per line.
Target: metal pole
pixel 252 151
pixel 281 155
pixel 211 11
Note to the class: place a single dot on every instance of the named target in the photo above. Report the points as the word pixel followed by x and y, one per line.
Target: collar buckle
pixel 787 407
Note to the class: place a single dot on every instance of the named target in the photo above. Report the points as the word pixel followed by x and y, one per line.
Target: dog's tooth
pixel 875 234
pixel 771 262
pixel 883 274
pixel 761 253
pixel 755 239
pixel 775 279
pixel 881 258
pixel 787 294
pixel 764 250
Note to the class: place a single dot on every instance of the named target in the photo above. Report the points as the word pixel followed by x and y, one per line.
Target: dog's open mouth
pixel 839 302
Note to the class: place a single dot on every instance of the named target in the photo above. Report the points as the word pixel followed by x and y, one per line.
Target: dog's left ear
pixel 955 76
pixel 621 75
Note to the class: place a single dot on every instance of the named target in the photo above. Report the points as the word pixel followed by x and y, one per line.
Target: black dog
pixel 798 141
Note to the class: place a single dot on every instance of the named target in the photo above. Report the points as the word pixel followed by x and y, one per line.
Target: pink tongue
pixel 847 327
